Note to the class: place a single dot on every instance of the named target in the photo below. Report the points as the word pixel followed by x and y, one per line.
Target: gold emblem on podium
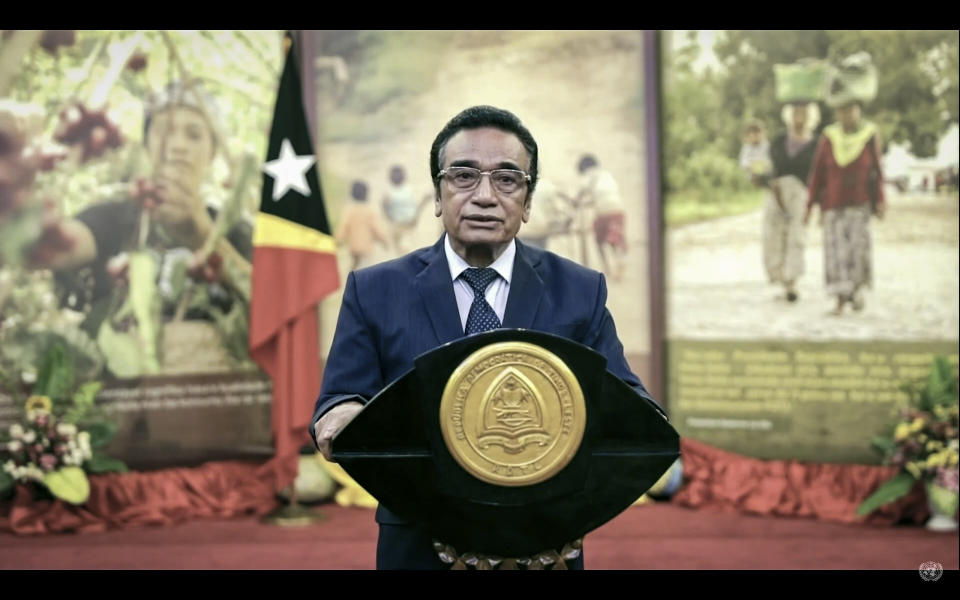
pixel 512 414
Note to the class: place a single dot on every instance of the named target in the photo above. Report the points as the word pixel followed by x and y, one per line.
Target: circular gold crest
pixel 513 414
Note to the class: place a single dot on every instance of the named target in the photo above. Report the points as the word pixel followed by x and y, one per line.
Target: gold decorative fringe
pixel 548 559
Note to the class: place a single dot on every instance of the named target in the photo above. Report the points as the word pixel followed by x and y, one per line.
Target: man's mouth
pixel 482 219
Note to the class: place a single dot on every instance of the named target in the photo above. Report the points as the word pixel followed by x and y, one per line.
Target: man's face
pixel 180 145
pixel 483 216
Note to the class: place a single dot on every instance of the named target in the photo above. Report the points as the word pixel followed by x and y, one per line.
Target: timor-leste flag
pixel 294 267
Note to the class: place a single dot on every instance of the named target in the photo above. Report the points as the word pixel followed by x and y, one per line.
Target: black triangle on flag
pixel 291 187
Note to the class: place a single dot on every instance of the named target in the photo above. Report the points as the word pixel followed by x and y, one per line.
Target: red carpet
pixel 652 536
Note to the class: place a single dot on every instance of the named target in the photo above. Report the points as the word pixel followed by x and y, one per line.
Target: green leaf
pixel 884 444
pixel 70 484
pixel 938 379
pixel 104 464
pixel 6 483
pixel 101 433
pixel 145 301
pixel 944 500
pixel 121 351
pixel 82 402
pixel 178 278
pixel 56 375
pixel 942 381
pixel 895 488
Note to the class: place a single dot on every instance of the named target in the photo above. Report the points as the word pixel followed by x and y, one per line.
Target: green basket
pixel 804 81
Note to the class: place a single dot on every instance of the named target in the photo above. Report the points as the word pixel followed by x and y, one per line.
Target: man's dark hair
pixel 476 117
pixel 359 191
pixel 586 161
pixel 397 174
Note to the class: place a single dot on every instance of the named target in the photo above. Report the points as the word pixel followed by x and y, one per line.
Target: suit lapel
pixel 436 292
pixel 526 290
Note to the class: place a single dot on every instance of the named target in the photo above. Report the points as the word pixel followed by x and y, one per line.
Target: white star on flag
pixel 289 171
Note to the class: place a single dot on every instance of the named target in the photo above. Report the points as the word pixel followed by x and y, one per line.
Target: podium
pixel 508 442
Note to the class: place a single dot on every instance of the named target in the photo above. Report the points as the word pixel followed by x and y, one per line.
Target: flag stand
pixel 294 514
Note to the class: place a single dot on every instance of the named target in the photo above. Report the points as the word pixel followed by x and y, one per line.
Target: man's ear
pixel 527 205
pixel 437 204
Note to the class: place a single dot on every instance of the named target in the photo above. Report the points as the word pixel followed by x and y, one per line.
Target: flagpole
pixel 294 514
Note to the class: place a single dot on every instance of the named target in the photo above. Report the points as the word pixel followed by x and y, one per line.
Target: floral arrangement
pixel 924 443
pixel 56 442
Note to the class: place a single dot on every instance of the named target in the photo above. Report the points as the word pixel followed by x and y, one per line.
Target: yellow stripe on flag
pixel 271 230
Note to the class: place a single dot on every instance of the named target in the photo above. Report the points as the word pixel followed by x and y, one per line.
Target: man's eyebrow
pixel 476 165
pixel 465 163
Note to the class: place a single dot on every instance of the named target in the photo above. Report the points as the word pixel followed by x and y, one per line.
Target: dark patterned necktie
pixel 482 316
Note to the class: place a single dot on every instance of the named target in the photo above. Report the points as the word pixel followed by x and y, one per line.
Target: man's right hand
pixel 331 423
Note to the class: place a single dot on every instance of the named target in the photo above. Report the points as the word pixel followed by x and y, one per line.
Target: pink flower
pixel 949 478
pixel 48 461
pixel 42 419
pixel 898 459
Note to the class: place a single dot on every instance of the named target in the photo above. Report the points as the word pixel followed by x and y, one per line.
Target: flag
pixel 294 268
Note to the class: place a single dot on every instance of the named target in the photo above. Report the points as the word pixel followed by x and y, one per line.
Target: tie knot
pixel 479 279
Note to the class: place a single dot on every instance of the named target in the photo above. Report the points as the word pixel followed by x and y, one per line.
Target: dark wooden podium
pixel 479 442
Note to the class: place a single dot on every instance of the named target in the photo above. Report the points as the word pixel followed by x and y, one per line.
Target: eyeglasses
pixel 505 181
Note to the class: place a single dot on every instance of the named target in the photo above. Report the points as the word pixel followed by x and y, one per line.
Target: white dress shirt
pixel 497 291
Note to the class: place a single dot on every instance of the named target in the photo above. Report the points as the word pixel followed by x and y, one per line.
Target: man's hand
pixel 331 423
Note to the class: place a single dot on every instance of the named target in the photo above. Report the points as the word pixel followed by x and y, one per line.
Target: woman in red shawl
pixel 846 181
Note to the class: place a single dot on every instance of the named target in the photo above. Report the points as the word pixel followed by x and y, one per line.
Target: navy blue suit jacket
pixel 394 311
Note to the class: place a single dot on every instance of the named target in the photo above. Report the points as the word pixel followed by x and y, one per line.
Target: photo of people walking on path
pixel 800 185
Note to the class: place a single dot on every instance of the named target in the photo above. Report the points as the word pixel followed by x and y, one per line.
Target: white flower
pixel 83 437
pixel 10 467
pixel 30 376
pixel 29 437
pixel 9 323
pixel 14 445
pixel 67 429
pixel 47 299
pixel 16 431
pixel 34 472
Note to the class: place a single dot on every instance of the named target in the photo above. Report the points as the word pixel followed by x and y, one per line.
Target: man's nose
pixel 484 193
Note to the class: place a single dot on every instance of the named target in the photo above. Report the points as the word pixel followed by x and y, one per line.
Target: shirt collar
pixel 503 265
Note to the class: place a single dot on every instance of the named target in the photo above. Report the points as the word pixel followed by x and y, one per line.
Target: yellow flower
pixel 902 431
pixel 38 403
pixel 914 469
pixel 934 445
pixel 917 425
pixel 935 460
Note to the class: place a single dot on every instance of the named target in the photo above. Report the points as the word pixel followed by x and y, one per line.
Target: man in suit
pixel 475 278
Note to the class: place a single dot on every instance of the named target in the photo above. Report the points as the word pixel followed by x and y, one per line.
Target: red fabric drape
pixel 164 497
pixel 828 492
pixel 713 479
